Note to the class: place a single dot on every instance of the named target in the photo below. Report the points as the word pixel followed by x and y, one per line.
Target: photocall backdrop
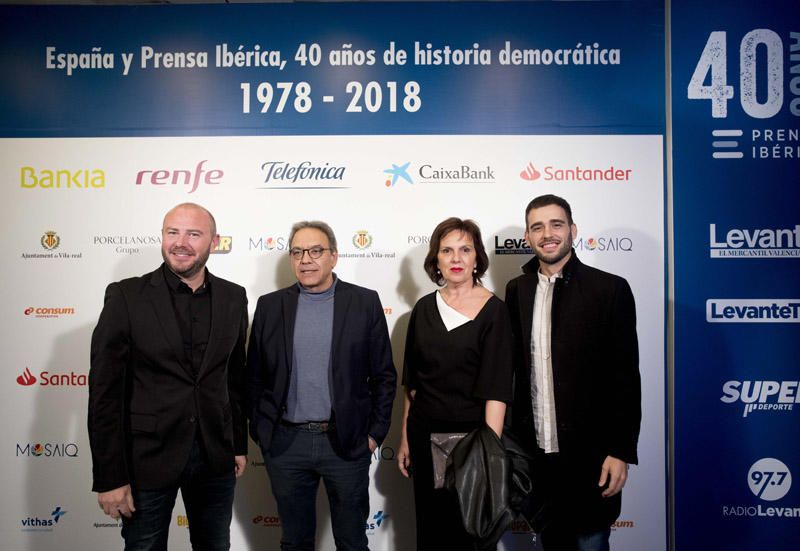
pixel 736 144
pixel 382 119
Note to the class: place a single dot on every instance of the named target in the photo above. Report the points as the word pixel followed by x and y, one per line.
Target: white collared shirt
pixel 544 405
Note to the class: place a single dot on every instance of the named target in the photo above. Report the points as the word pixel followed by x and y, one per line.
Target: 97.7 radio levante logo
pixel 766 88
pixel 770 480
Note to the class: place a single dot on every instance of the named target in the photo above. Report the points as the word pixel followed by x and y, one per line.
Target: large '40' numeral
pixel 714 60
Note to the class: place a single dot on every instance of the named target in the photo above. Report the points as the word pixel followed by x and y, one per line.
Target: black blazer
pixel 145 402
pixel 595 357
pixel 363 377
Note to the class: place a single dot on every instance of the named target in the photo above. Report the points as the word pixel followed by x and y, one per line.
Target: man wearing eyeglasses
pixel 321 387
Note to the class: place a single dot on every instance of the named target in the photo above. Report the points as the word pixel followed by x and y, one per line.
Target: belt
pixel 311 426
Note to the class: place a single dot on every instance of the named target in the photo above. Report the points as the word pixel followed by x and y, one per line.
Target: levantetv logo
pixel 755 242
pixel 38 524
pixel 768 310
pixel 761 395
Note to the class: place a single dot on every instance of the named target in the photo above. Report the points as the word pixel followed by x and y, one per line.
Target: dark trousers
pixel 439 524
pixel 295 463
pixel 208 498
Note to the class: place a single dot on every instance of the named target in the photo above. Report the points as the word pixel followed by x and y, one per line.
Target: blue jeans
pixel 296 461
pixel 208 499
pixel 565 541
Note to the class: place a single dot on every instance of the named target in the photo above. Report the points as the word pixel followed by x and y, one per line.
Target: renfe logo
pixel 162 177
pixel 755 243
pixel 770 310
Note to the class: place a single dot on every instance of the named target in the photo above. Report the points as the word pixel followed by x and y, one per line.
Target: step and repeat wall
pixel 382 119
pixel 736 143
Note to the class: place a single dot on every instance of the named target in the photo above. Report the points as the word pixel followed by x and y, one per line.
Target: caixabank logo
pixel 769 480
pixel 43 523
pixel 428 172
pixel 761 396
pixel 744 242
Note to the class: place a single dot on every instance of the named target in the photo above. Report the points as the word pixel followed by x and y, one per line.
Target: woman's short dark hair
pixel 464 226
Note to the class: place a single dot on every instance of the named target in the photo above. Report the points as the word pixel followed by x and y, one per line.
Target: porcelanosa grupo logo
pixel 754 242
pixel 576 173
pixel 761 396
pixel 126 243
pixel 303 175
pixel 186 178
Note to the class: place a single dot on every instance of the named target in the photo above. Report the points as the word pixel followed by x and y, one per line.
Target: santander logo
pixel 530 173
pixel 27 378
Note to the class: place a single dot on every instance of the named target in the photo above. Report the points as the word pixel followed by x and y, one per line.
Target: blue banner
pixel 422 68
pixel 736 144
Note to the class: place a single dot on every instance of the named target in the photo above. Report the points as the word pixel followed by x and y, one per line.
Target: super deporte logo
pixel 761 396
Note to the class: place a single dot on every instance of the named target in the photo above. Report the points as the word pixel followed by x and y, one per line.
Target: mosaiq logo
pixel 269 244
pixel 188 179
pixel 575 173
pixel 761 396
pixel 604 243
pixel 769 310
pixel 754 242
pixel 302 175
pixel 769 479
pixel 47 449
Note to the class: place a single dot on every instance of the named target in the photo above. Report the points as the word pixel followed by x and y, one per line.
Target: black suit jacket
pixel 595 357
pixel 146 404
pixel 363 377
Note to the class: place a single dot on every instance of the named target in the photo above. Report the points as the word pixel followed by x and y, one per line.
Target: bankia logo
pixel 604 243
pixel 61 178
pixel 511 245
pixel 768 310
pixel 48 312
pixel 770 480
pixel 576 173
pixel 302 175
pixel 48 379
pixel 398 172
pixel 188 179
pixel 47 449
pixel 43 524
pixel 761 396
pixel 754 242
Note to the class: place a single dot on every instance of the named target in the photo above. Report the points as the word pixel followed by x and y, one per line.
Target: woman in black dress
pixel 457 372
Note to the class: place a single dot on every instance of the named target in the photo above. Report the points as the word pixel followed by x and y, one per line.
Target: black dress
pixel 453 373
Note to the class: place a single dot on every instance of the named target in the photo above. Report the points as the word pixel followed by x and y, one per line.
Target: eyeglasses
pixel 314 252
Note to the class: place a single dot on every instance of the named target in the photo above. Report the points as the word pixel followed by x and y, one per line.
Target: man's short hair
pixel 546 200
pixel 200 208
pixel 316 225
pixel 468 227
